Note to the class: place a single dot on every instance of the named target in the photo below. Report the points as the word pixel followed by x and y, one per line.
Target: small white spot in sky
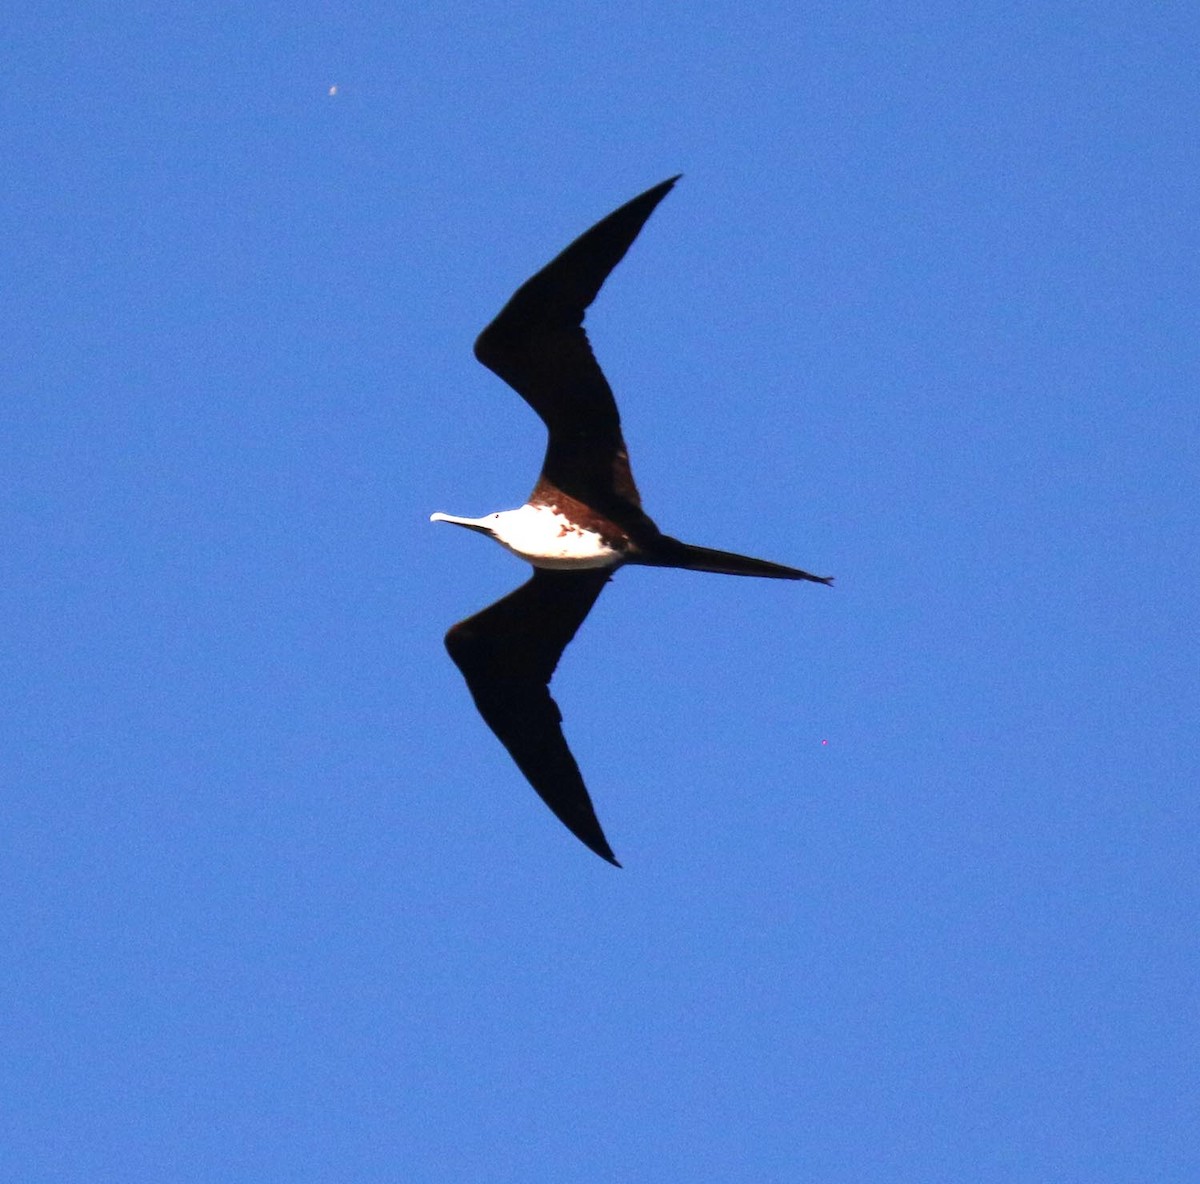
pixel 333 89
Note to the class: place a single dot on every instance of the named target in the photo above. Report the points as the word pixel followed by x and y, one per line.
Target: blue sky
pixel 910 879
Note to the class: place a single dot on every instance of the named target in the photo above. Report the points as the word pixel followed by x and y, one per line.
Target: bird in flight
pixel 583 520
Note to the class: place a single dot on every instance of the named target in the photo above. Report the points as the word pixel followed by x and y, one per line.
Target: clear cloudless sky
pixel 910 887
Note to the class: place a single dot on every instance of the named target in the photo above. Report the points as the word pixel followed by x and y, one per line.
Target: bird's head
pixel 485 525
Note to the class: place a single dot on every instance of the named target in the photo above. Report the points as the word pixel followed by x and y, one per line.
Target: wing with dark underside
pixel 538 346
pixel 508 653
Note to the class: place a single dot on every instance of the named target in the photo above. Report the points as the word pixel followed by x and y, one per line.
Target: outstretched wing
pixel 538 346
pixel 507 653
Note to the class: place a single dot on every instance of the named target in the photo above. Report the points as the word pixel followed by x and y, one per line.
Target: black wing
pixel 538 346
pixel 507 653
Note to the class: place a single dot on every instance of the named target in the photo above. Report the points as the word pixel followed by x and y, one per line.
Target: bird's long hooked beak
pixel 479 524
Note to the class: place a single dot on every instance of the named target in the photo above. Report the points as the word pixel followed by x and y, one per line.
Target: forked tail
pixel 673 553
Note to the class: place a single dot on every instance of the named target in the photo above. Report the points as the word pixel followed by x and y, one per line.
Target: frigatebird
pixel 583 520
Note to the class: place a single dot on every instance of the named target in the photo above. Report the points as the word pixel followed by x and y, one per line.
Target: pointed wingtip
pixel 594 839
pixel 598 844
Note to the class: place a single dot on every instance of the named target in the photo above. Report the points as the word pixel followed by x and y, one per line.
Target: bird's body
pixel 545 537
pixel 583 520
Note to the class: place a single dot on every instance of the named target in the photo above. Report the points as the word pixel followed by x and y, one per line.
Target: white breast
pixel 546 538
